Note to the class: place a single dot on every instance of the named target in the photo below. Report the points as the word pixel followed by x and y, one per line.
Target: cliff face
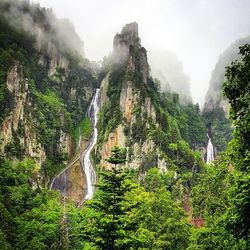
pixel 127 48
pixel 17 126
pixel 214 95
pixel 135 107
pixel 155 129
pixel 216 107
pixel 45 88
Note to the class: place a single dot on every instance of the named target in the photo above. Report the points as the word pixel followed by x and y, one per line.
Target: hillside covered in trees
pixel 100 157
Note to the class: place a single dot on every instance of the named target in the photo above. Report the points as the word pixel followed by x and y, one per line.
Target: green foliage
pixel 179 120
pixel 109 118
pixel 39 228
pixel 196 126
pixel 30 218
pixel 185 157
pixel 162 223
pixel 139 132
pixel 122 215
pixel 222 194
pixel 115 83
pixel 49 116
pixel 77 78
pixel 219 126
pixel 110 115
pixel 211 238
pixel 107 225
pixel 84 129
pixel 51 101
pixel 209 196
pixel 153 180
pixel 14 149
pixel 236 89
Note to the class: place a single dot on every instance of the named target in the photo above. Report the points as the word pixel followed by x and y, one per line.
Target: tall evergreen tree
pixel 107 223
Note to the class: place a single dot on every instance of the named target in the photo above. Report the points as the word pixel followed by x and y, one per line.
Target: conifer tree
pixel 107 225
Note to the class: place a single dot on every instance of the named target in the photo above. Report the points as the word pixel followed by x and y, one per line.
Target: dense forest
pixel 152 185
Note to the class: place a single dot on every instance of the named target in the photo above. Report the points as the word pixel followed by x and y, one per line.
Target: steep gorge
pixel 216 108
pixel 51 88
pixel 47 120
pixel 61 118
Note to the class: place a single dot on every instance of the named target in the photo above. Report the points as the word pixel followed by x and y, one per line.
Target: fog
pixel 195 31
pixel 51 29
pixel 166 67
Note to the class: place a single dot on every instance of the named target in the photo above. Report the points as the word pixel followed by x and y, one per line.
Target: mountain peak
pixel 128 36
pixel 127 48
pixel 130 28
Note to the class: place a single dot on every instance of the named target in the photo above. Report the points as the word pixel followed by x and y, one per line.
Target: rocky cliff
pixel 214 94
pixel 45 88
pixel 216 107
pixel 129 55
pixel 17 129
pixel 127 48
pixel 133 113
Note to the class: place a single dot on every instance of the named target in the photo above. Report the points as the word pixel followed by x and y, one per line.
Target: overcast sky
pixel 197 31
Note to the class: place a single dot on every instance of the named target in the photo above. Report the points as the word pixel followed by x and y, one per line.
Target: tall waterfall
pixel 85 158
pixel 60 182
pixel 210 151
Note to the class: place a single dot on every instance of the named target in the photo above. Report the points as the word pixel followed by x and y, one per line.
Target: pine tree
pixel 107 221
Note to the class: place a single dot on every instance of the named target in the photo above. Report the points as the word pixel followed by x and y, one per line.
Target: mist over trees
pixel 214 93
pixel 42 24
pixel 152 186
pixel 167 67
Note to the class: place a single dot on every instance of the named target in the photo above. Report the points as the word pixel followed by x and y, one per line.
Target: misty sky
pixel 197 31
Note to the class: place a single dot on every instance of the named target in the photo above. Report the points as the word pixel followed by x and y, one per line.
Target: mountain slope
pixel 215 110
pixel 154 127
pixel 45 92
pixel 45 87
pixel 214 94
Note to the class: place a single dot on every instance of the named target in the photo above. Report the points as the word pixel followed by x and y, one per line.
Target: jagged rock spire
pixel 127 48
pixel 128 36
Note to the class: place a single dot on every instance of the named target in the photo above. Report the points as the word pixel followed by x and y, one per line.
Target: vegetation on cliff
pixel 57 86
pixel 223 191
pixel 45 90
pixel 125 215
pixel 30 216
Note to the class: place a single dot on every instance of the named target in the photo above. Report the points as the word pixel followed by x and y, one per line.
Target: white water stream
pixel 60 181
pixel 210 151
pixel 85 158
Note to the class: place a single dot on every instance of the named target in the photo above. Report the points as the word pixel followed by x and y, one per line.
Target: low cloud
pixel 42 24
pixel 166 67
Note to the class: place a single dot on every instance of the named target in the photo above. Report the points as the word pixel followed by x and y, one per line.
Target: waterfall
pixel 59 182
pixel 85 158
pixel 210 151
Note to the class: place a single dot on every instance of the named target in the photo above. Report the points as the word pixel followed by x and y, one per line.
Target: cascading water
pixel 85 158
pixel 60 182
pixel 210 151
